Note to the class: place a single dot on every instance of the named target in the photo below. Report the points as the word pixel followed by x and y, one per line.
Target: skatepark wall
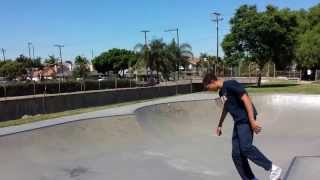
pixel 15 108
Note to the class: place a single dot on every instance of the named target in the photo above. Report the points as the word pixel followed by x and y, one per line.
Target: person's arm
pixel 248 105
pixel 222 118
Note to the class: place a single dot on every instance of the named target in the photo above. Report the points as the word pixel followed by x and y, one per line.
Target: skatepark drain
pixel 76 172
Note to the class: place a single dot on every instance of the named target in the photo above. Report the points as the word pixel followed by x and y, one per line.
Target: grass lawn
pixel 286 87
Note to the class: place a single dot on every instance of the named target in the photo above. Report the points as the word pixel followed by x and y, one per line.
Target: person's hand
pixel 256 127
pixel 219 131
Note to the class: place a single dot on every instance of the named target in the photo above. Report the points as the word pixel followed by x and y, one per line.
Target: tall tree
pixel 12 70
pixel 180 55
pixel 51 60
pixel 82 67
pixel 308 51
pixel 114 60
pixel 261 37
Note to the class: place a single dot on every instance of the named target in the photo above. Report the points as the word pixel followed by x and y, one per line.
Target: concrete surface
pixel 304 167
pixel 158 141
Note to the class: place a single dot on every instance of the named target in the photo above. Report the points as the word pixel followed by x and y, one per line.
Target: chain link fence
pixel 245 73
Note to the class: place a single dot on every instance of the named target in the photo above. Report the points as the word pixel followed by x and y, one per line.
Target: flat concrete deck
pixel 172 140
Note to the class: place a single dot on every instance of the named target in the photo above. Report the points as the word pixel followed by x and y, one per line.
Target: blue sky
pixel 103 24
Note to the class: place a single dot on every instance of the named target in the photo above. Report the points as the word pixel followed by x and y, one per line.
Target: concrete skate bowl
pixel 164 141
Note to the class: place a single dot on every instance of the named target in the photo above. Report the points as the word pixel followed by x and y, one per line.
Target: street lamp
pixel 217 19
pixel 29 47
pixel 59 46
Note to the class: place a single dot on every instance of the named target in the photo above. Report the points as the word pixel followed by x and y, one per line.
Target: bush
pixel 52 87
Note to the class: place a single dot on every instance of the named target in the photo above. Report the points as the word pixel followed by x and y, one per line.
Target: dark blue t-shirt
pixel 232 91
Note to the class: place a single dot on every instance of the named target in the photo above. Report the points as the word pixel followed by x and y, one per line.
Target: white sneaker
pixel 275 173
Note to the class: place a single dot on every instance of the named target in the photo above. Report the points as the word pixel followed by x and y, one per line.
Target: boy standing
pixel 238 104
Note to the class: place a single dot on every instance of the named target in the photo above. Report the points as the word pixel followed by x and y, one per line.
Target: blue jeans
pixel 242 150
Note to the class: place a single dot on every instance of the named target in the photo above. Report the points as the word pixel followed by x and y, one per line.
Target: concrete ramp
pixel 171 140
pixel 304 167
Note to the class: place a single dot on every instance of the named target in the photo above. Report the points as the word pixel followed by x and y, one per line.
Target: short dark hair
pixel 208 78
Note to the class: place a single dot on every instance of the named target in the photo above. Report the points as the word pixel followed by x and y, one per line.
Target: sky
pixel 83 26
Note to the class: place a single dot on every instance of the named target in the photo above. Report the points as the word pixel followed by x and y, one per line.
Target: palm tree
pixel 179 55
pixel 163 58
pixel 158 56
pixel 82 69
pixel 155 57
pixel 143 54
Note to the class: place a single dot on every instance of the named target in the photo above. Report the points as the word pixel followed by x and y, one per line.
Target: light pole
pixel 145 36
pixel 29 47
pixel 3 54
pixel 217 19
pixel 145 46
pixel 178 46
pixel 33 51
pixel 59 46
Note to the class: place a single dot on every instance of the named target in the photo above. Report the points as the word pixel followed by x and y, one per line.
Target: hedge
pixel 52 87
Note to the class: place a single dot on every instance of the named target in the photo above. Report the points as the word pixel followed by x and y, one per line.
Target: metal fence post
pixel 249 70
pixel 274 71
pixel 34 88
pixel 116 82
pixel 5 91
pixel 191 85
pixel 176 87
pixel 59 86
pixel 130 82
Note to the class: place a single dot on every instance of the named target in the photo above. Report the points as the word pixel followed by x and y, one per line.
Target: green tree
pixel 81 67
pixel 36 63
pixel 51 60
pixel 102 64
pixel 114 60
pixel 158 59
pixel 163 58
pixel 25 61
pixel 12 70
pixel 308 51
pixel 180 55
pixel 261 37
pixel 143 55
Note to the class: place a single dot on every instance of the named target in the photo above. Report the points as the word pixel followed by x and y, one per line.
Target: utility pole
pixel 3 54
pixel 59 46
pixel 92 53
pixel 217 19
pixel 145 36
pixel 145 45
pixel 33 51
pixel 29 47
pixel 178 45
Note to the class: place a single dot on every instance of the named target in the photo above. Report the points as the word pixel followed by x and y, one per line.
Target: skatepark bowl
pixel 173 140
